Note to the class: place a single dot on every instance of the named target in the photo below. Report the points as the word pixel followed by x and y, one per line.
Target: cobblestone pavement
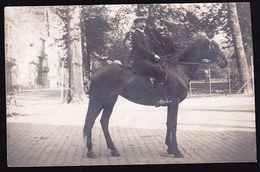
pixel 48 145
pixel 51 134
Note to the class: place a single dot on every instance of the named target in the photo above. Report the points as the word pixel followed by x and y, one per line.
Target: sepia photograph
pixel 129 84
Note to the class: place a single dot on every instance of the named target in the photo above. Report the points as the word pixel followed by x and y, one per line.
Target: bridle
pixel 211 47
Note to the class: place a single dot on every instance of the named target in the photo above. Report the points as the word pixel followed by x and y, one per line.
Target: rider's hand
pixel 157 57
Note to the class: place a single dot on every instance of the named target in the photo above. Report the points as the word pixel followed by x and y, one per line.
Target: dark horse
pixel 113 80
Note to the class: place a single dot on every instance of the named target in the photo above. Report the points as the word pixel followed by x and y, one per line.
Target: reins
pixel 189 63
pixel 164 58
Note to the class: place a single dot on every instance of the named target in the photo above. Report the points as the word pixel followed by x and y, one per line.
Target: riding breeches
pixel 150 69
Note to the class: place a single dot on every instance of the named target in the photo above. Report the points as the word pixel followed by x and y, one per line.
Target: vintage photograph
pixel 129 84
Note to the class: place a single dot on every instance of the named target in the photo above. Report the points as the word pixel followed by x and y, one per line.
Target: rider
pixel 145 61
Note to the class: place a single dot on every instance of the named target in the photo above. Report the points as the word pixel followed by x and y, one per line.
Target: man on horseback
pixel 145 61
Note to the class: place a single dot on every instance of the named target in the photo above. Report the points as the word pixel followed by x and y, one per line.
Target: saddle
pixel 156 88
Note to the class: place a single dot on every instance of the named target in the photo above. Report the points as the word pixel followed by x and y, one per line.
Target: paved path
pixel 50 134
pixel 49 145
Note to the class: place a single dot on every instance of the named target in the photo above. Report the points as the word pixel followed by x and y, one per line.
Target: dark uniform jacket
pixel 144 58
pixel 141 49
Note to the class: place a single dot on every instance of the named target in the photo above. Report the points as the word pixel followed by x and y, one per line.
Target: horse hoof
pixel 91 154
pixel 115 152
pixel 177 154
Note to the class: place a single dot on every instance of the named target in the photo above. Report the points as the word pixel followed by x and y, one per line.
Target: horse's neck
pixel 187 56
pixel 189 70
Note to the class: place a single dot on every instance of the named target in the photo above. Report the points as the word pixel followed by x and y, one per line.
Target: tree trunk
pixel 85 55
pixel 239 51
pixel 75 89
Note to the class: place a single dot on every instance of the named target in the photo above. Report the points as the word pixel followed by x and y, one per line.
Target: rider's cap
pixel 139 18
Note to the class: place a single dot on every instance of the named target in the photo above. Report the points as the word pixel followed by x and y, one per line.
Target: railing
pixel 219 81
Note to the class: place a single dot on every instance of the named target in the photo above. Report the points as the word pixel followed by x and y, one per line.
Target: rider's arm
pixel 137 44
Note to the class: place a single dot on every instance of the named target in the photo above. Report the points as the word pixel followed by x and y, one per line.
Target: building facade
pixel 26 60
pixel 10 59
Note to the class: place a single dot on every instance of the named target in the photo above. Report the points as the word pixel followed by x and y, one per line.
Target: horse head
pixel 211 52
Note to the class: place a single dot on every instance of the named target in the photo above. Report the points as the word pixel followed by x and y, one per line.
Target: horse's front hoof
pixel 91 154
pixel 177 154
pixel 115 152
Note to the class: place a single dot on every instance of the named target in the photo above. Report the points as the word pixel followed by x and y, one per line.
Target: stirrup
pixel 162 103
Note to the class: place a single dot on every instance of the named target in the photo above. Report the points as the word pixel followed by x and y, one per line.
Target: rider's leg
pixel 158 77
pixel 153 70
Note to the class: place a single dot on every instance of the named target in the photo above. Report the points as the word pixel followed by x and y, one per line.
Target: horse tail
pixel 85 131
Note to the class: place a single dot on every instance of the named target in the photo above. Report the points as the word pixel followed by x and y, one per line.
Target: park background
pixel 61 46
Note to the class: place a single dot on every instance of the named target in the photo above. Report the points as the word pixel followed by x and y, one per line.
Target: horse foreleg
pixel 171 124
pixel 104 123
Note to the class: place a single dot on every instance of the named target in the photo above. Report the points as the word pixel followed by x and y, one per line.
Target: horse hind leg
pixel 108 108
pixel 94 109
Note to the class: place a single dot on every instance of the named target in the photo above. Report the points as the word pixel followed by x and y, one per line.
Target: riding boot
pixel 158 93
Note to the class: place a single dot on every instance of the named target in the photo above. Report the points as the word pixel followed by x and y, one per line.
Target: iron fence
pixel 219 81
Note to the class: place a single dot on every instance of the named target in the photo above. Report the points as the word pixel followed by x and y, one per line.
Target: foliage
pixel 66 31
pixel 245 22
pixel 94 19
pixel 60 30
pixel 179 23
pixel 121 22
pixel 104 32
pixel 244 18
pixel 106 29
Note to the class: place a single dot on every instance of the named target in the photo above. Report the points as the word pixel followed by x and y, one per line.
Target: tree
pixel 94 25
pixel 75 54
pixel 243 11
pixel 179 24
pixel 69 42
pixel 239 49
pixel 182 22
pixel 104 28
